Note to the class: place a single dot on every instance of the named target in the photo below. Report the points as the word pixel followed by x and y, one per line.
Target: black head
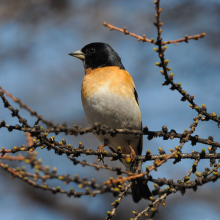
pixel 96 55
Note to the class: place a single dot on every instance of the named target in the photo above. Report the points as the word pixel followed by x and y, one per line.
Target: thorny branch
pixel 144 39
pixel 37 137
pixel 22 105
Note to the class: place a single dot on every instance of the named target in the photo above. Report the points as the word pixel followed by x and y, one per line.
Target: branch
pixel 144 39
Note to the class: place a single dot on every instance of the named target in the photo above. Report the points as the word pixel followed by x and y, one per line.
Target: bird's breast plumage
pixel 108 98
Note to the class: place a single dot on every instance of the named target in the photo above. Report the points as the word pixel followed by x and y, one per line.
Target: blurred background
pixel 36 38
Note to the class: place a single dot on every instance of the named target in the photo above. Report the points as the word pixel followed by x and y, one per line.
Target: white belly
pixel 116 112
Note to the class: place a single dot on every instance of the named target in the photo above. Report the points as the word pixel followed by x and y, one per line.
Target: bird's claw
pixel 133 154
pixel 100 149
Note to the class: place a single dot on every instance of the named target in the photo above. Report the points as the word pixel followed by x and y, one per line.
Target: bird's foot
pixel 133 154
pixel 100 149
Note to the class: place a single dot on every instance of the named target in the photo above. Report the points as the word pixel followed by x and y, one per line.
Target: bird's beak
pixel 78 54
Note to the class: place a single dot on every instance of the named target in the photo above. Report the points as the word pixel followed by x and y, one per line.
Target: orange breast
pixel 117 81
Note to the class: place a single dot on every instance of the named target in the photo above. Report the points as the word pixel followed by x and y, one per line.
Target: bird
pixel 109 97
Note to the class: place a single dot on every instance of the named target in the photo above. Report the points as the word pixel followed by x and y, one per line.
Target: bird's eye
pixel 91 50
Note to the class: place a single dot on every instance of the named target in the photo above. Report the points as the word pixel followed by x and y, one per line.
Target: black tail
pixel 140 190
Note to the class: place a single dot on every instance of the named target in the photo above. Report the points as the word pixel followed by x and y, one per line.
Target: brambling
pixel 109 97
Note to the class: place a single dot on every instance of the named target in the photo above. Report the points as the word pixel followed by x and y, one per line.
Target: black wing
pixel 136 96
pixel 140 144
